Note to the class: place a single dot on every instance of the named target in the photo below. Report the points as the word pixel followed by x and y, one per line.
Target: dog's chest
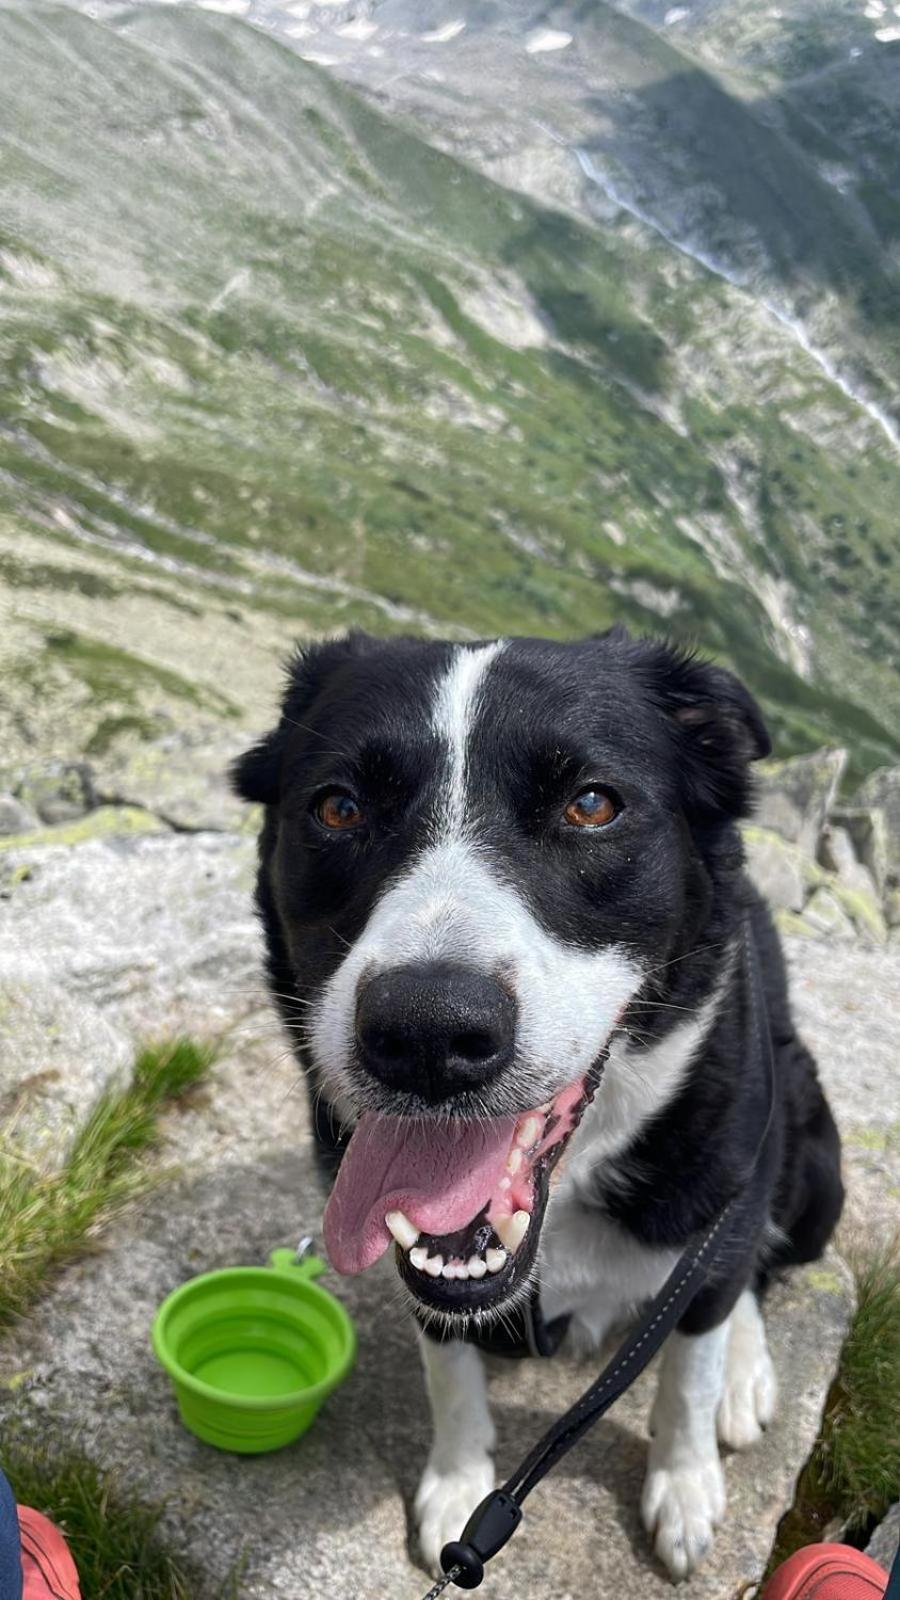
pixel 590 1268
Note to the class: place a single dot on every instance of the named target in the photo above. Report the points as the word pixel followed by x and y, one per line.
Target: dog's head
pixel 475 858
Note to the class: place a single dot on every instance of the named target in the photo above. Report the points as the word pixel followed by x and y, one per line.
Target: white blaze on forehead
pixel 456 706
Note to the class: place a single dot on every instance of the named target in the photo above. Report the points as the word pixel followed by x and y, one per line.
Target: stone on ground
pixel 795 796
pixel 881 792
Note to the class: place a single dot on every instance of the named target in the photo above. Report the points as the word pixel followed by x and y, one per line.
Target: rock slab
pixel 156 931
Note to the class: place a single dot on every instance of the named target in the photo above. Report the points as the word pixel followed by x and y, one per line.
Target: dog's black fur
pixel 673 738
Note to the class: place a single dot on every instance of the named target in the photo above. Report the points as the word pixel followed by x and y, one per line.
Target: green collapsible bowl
pixel 253 1351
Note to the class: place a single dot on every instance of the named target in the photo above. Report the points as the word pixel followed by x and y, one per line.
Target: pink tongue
pixel 440 1175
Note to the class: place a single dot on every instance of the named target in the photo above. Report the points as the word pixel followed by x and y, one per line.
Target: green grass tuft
pixel 852 1476
pixel 860 1453
pixel 113 1535
pixel 47 1218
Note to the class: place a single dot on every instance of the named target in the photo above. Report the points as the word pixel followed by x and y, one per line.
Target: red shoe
pixel 47 1566
pixel 827 1572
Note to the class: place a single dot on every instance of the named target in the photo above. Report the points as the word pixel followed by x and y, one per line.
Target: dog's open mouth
pixel 463 1201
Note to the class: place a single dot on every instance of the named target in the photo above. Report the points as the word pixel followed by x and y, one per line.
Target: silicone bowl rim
pixel 294 1397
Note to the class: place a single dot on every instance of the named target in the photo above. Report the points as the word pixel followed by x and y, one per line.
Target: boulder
pixel 57 1055
pixel 824 912
pixel 14 816
pixel 794 797
pixel 864 908
pixel 777 868
pixel 837 853
pixel 155 927
pixel 58 791
pixel 182 777
pixel 867 830
pixel 882 1546
pixel 881 792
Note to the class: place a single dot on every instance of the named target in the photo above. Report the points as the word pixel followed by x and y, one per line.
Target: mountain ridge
pixel 263 340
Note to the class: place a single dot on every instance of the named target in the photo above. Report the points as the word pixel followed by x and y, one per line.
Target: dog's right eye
pixel 339 810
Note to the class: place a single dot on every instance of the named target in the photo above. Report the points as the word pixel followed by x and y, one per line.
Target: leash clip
pixel 492 1522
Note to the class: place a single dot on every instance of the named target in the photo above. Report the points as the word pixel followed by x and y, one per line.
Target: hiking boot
pixel 827 1572
pixel 47 1566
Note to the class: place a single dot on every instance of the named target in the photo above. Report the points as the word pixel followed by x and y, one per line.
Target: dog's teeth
pixel 418 1257
pixel 495 1260
pixel 455 1269
pixel 529 1132
pixel 512 1230
pixel 477 1266
pixel 434 1266
pixel 403 1230
pixel 514 1159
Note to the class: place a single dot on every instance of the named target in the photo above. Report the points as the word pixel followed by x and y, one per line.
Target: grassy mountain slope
pixel 270 364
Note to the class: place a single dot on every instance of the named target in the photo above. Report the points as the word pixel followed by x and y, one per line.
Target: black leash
pixel 496 1519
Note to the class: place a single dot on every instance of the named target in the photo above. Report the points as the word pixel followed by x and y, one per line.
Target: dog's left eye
pixel 593 808
pixel 339 810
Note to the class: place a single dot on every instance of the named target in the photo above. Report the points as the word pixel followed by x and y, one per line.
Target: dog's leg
pixel 684 1491
pixel 748 1397
pixel 460 1471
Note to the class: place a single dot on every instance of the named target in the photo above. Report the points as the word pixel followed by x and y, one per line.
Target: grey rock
pixel 57 1055
pixel 59 791
pixel 865 910
pixel 837 853
pixel 14 816
pixel 795 797
pixel 846 1000
pixel 776 867
pixel 881 792
pixel 882 1546
pixel 824 912
pixel 156 928
pixel 868 832
pixel 182 777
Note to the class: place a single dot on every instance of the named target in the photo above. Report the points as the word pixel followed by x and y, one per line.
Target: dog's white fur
pixel 455 709
pixel 453 904
pixel 751 1388
pixel 599 1275
pixel 460 1468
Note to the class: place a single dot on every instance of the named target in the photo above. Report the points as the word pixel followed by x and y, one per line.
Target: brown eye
pixel 592 809
pixel 339 810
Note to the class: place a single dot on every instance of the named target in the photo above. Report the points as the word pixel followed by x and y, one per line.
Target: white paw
pixel 445 1501
pixel 750 1390
pixel 680 1507
pixel 747 1405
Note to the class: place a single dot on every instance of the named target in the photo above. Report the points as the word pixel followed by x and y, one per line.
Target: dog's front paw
pixel 681 1506
pixel 748 1398
pixel 445 1501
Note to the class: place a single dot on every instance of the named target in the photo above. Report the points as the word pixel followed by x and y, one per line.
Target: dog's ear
pixel 719 728
pixel 256 775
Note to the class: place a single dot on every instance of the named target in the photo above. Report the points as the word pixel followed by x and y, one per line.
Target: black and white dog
pixel 481 866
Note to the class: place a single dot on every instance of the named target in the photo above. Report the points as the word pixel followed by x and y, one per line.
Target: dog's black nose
pixel 435 1030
